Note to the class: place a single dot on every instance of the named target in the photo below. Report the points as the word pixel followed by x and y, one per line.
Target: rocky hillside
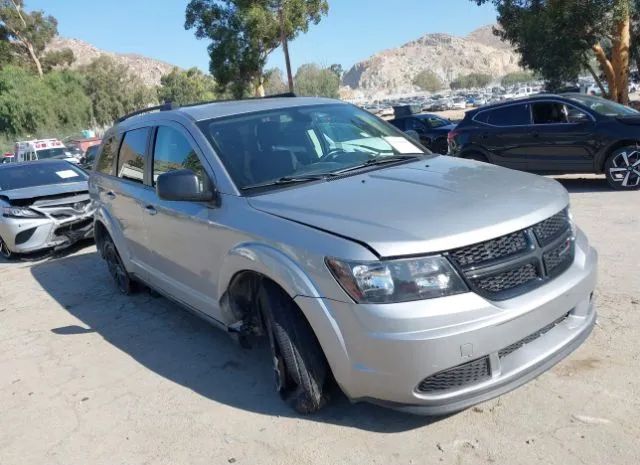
pixel 392 71
pixel 148 69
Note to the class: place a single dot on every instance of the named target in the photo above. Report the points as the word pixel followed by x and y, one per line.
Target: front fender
pixel 283 270
pixel 102 216
pixel 270 262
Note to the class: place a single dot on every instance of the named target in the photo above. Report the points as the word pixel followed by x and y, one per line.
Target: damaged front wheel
pixel 301 370
pixel 116 268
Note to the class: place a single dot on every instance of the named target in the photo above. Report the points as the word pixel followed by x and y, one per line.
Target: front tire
pixel 300 367
pixel 622 168
pixel 4 250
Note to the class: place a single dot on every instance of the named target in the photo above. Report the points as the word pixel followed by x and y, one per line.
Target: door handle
pixel 150 209
pixel 111 195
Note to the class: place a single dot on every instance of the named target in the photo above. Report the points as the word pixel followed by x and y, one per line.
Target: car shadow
pixel 585 185
pixel 183 348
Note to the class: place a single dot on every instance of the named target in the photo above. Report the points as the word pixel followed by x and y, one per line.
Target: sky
pixel 352 31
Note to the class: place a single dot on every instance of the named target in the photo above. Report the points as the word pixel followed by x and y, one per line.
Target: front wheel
pixel 4 250
pixel 299 364
pixel 622 169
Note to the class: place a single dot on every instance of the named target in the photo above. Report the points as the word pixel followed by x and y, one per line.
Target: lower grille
pixel 74 226
pixel 531 337
pixel 468 373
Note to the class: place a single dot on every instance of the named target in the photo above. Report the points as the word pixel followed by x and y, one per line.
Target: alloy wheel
pixel 625 168
pixel 116 269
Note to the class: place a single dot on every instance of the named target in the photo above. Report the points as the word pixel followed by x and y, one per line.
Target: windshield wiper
pixel 380 161
pixel 291 180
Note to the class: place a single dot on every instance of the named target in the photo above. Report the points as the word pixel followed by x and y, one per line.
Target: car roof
pixel 530 98
pixel 221 109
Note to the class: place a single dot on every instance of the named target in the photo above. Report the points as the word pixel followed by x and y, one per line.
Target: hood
pixel 44 191
pixel 428 206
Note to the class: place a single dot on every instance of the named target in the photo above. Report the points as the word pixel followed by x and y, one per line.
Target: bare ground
pixel 89 376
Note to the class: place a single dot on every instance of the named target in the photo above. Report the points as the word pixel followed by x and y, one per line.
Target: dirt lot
pixel 92 377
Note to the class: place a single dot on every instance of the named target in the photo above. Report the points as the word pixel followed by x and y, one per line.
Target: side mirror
pixel 183 185
pixel 413 134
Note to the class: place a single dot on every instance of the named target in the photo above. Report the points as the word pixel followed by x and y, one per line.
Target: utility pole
pixel 285 46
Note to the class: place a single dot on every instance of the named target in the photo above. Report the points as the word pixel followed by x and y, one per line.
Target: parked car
pixel 42 149
pixel 432 129
pixel 421 282
pixel 44 205
pixel 458 104
pixel 568 133
pixel 89 157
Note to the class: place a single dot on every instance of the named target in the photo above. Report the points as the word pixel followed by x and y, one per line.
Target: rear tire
pixel 300 367
pixel 116 268
pixel 622 168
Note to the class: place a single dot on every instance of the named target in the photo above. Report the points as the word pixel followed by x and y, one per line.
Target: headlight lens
pixel 19 212
pixel 402 280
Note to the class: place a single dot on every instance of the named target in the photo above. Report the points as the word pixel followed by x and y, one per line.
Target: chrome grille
pixel 531 337
pixel 456 377
pixel 518 262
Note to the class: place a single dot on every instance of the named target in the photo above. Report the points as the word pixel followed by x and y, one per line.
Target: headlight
pixel 397 280
pixel 19 212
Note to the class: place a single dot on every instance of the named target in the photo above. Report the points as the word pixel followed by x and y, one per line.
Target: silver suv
pixel 420 282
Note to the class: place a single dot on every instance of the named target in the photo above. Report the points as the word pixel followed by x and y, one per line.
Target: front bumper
pixel 382 353
pixel 25 235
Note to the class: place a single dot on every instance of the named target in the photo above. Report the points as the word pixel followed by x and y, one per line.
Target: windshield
pixel 306 141
pixel 435 122
pixel 45 154
pixel 38 174
pixel 603 106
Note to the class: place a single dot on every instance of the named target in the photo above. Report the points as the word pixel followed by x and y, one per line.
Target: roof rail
pixel 164 107
pixel 284 95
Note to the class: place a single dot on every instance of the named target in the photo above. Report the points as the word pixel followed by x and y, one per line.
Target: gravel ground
pixel 92 377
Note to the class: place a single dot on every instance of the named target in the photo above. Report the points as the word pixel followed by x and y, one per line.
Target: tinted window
pixel 603 106
pixel 50 153
pixel 511 115
pixel 131 157
pixel 414 124
pixel 172 151
pixel 39 174
pixel 105 162
pixel 90 154
pixel 435 122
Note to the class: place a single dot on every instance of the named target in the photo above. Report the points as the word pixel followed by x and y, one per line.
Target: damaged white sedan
pixel 43 205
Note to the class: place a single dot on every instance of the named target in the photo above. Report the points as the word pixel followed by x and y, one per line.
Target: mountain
pixel 148 69
pixel 392 71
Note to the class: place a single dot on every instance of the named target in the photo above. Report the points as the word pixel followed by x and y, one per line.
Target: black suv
pixel 568 133
pixel 432 129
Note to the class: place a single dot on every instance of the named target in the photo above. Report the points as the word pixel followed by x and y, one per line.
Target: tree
pixel 337 68
pixel 64 58
pixel 471 81
pixel 30 105
pixel 244 32
pixel 428 80
pixel 558 38
pixel 274 82
pixel 312 80
pixel 188 86
pixel 517 77
pixel 29 33
pixel 113 90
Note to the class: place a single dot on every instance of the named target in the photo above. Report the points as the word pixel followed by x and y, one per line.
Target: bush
pixel 183 87
pixel 428 80
pixel 312 80
pixel 519 77
pixel 471 81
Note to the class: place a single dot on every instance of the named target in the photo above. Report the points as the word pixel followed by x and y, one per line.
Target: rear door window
pixel 131 159
pixel 107 155
pixel 510 115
